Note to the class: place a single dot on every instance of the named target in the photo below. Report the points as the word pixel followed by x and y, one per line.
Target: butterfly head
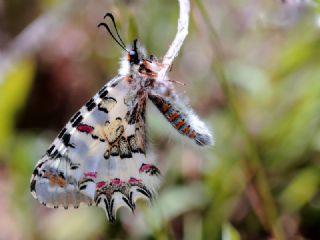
pixel 134 55
pixel 135 61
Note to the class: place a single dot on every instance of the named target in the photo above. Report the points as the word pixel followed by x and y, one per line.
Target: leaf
pixel 174 202
pixel 301 189
pixel 229 232
pixel 13 93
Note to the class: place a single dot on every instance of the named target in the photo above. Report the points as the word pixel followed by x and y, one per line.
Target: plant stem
pixel 253 165
pixel 182 32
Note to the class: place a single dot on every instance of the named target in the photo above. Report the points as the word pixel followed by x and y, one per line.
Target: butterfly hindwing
pixel 99 158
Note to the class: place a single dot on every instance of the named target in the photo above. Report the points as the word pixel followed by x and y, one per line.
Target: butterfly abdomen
pixel 183 121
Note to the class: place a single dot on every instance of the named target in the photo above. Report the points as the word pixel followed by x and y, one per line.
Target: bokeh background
pixel 252 70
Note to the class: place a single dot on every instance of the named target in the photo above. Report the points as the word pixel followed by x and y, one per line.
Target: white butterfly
pixel 101 156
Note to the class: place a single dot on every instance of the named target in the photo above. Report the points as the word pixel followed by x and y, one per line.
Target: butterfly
pixel 101 156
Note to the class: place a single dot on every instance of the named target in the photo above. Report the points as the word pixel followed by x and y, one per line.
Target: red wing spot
pixel 149 169
pixel 144 167
pixel 179 124
pixel 134 180
pixel 116 181
pixel 85 128
pixel 90 174
pixel 101 184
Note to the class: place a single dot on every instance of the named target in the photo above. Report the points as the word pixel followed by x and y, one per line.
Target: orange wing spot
pixel 192 135
pixel 146 63
pixel 128 79
pixel 173 116
pixel 165 107
pixel 186 130
pixel 153 75
pixel 179 124
pixel 55 180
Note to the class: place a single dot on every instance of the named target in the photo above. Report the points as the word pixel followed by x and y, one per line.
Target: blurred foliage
pixel 252 72
pixel 13 94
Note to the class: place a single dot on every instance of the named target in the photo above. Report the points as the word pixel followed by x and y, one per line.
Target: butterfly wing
pixel 99 158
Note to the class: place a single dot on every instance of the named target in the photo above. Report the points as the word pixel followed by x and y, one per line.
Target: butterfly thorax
pixel 140 75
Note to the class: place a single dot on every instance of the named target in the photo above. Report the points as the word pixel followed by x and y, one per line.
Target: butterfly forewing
pixel 99 158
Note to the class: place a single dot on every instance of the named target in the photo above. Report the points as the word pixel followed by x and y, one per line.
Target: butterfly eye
pixel 132 53
pixel 133 57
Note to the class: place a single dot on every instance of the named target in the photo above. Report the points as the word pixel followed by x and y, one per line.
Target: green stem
pixel 254 165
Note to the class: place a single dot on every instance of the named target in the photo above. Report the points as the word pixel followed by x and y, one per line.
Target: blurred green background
pixel 252 71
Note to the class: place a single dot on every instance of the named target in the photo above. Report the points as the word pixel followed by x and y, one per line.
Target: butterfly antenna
pixel 120 43
pixel 115 26
pixel 135 45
